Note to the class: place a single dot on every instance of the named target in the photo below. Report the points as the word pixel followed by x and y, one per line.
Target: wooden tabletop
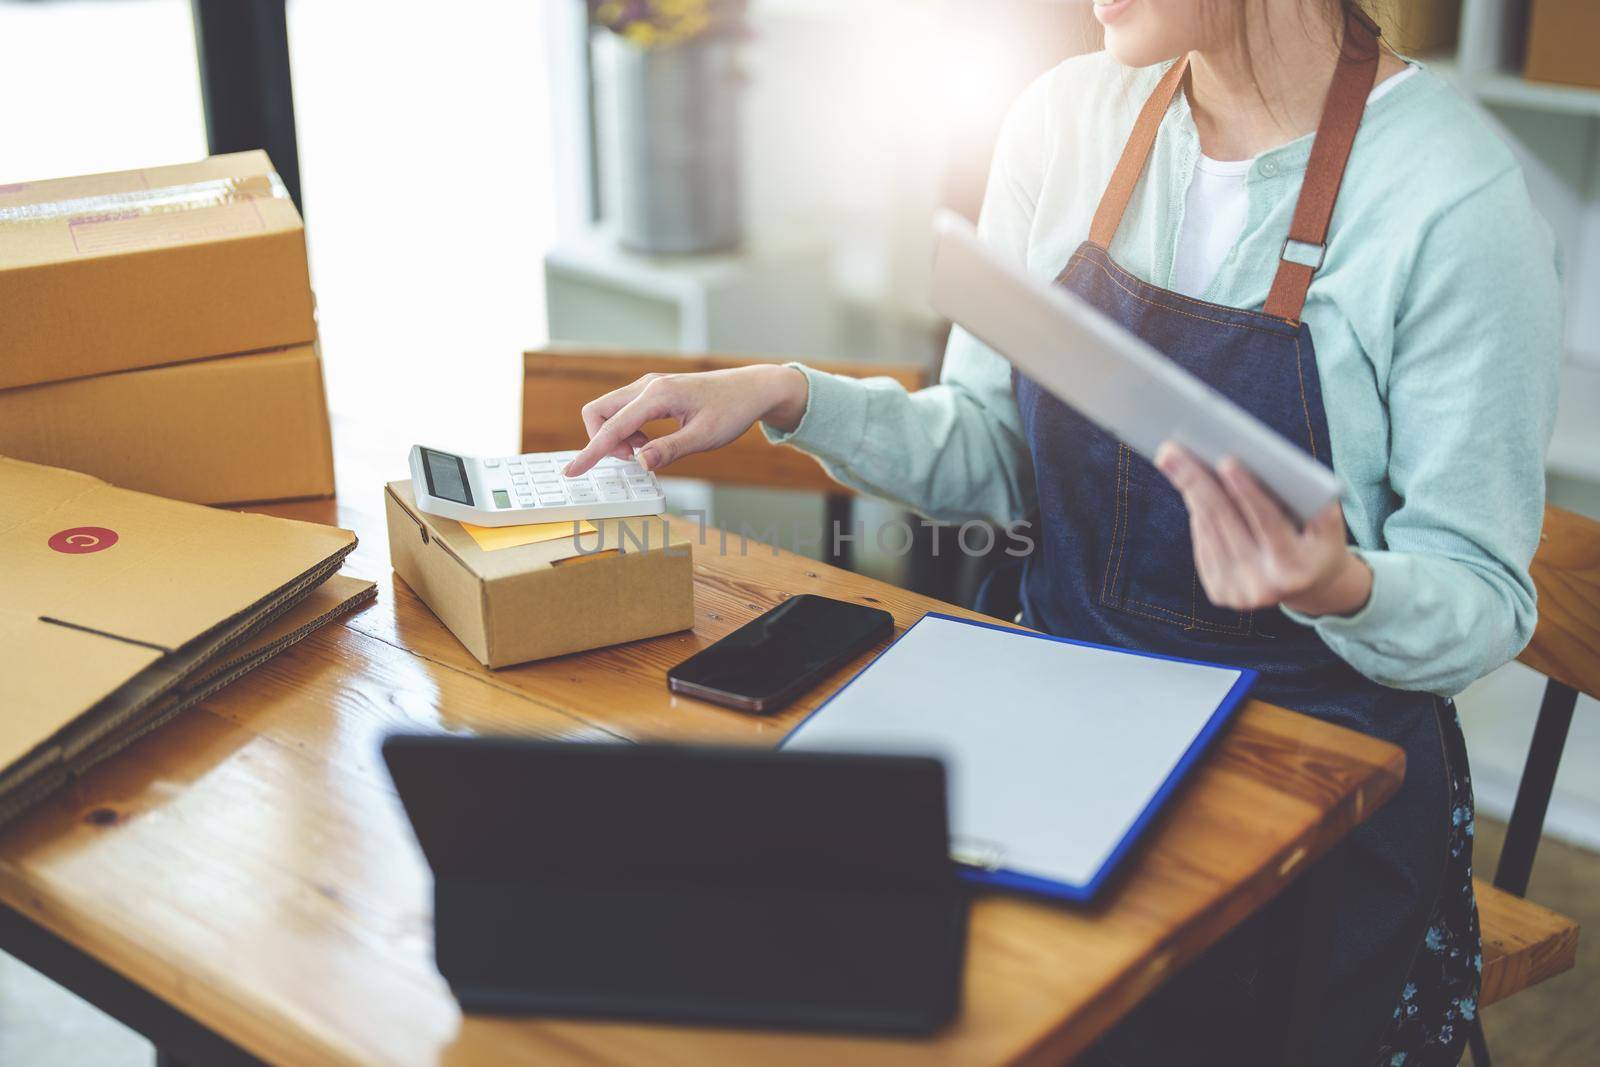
pixel 250 864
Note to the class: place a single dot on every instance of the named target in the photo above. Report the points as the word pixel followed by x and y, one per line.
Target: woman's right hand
pixel 712 408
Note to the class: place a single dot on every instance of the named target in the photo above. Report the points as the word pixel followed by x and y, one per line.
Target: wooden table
pixel 244 878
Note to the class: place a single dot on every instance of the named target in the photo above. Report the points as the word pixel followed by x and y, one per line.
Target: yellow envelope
pixel 493 538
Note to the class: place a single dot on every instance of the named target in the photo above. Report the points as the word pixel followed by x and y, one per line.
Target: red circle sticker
pixel 81 539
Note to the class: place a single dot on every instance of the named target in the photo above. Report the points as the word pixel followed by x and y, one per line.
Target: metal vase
pixel 677 145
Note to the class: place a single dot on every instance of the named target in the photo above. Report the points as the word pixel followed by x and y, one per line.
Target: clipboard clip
pixel 976 852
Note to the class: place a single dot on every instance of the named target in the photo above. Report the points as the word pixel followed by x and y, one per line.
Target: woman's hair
pixel 1336 11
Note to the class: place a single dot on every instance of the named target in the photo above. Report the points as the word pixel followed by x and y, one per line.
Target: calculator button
pixel 609 493
pixel 546 478
pixel 540 465
pixel 491 463
pixel 646 492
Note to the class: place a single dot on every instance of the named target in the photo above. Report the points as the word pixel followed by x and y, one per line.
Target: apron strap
pixel 1330 151
pixel 1336 135
pixel 1114 202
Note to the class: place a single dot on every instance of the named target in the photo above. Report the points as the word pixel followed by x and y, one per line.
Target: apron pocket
pixel 1149 571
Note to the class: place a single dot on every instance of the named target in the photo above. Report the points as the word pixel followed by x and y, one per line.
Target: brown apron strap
pixel 1330 151
pixel 1336 135
pixel 1114 202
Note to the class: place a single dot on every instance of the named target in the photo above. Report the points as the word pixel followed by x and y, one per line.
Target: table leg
pixel 180 1037
pixel 839 515
pixel 1314 907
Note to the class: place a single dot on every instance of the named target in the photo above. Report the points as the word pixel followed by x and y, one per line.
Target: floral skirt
pixel 1440 999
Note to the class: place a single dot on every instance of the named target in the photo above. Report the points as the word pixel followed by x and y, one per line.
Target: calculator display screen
pixel 447 476
pixel 502 499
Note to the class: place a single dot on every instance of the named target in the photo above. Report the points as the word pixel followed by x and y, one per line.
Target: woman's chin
pixel 1138 50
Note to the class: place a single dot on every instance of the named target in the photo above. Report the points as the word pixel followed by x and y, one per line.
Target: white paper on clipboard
pixel 1123 384
pixel 1058 753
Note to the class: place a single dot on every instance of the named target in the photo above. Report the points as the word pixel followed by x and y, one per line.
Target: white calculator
pixel 519 490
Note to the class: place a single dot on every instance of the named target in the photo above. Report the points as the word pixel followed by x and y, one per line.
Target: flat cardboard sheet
pixel 22 786
pixel 114 597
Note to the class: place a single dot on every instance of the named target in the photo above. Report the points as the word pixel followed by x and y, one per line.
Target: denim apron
pixel 1115 565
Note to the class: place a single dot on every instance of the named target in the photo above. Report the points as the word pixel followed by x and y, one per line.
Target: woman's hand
pixel 1250 555
pixel 712 408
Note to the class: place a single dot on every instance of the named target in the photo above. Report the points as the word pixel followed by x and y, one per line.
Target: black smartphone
pixel 765 664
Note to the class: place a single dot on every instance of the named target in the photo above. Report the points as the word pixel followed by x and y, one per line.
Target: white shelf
pixel 1512 90
pixel 1504 89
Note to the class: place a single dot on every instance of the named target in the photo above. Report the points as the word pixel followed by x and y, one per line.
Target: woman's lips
pixel 1108 11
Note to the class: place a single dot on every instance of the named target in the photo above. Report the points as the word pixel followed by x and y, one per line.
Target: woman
pixel 1407 335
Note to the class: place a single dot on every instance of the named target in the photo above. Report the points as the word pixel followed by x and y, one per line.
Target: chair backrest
pixel 557 382
pixel 1566 571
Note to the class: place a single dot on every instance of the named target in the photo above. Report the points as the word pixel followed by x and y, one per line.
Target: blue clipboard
pixel 1060 752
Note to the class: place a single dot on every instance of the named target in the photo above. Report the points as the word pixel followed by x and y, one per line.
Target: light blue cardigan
pixel 1437 324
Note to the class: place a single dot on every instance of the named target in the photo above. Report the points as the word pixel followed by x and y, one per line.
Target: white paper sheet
pixel 1053 749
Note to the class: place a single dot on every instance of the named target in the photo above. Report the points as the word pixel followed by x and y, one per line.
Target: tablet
pixel 1118 381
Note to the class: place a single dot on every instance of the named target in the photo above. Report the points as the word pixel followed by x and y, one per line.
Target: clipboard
pixel 1060 753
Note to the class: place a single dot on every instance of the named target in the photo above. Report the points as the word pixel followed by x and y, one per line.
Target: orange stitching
pixel 1116 525
pixel 1305 406
pixel 1198 303
pixel 1132 609
pixel 1127 518
pixel 1199 622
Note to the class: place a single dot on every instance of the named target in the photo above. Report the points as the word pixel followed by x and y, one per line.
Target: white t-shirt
pixel 1215 211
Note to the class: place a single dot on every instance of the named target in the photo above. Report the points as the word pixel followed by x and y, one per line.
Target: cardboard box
pixel 220 431
pixel 110 272
pixel 628 581
pixel 115 599
pixel 1420 27
pixel 1562 38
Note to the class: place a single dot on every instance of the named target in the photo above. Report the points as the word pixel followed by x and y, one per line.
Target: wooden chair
pixel 1523 944
pixel 558 381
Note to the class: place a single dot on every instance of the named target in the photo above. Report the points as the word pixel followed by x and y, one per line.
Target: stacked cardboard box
pixel 1561 38
pixel 158 332
pixel 1420 27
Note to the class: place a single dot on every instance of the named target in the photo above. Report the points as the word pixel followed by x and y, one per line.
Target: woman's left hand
pixel 1249 553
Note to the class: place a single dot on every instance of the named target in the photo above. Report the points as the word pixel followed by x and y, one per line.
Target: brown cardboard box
pixel 536 601
pixel 1419 27
pixel 114 271
pixel 219 431
pixel 1563 36
pixel 115 599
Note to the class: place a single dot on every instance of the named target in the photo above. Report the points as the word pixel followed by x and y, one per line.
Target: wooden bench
pixel 1523 943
